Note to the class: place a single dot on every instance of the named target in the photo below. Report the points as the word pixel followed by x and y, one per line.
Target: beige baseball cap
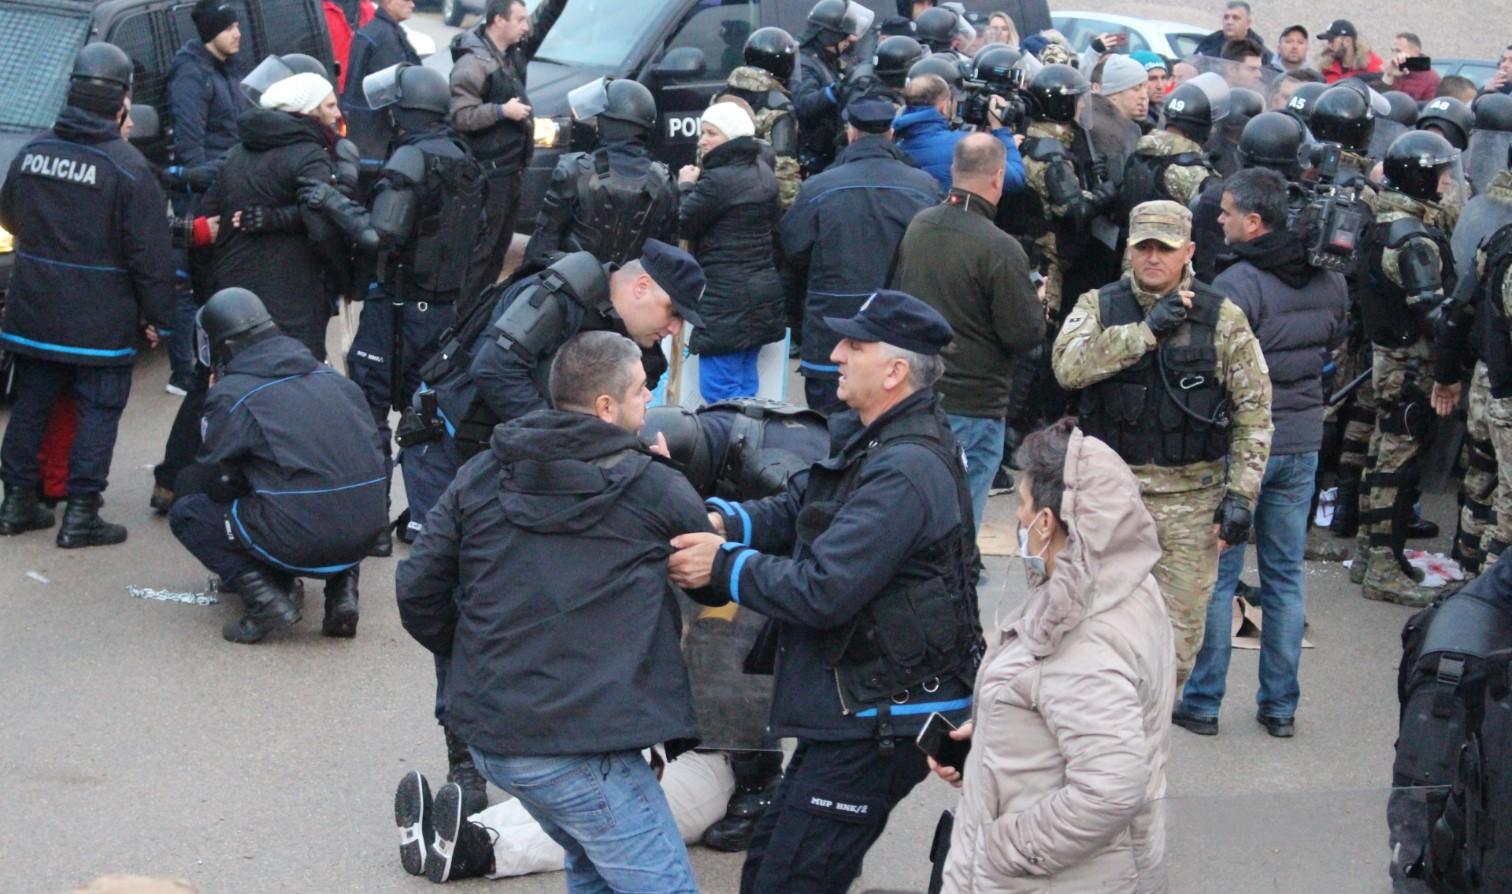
pixel 1168 223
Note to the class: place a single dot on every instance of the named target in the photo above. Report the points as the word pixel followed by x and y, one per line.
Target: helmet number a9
pixel 1178 105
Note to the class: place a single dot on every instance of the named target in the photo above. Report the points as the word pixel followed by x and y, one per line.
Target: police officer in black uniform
pixel 92 257
pixel 742 449
pixel 895 56
pixel 289 482
pixel 818 97
pixel 427 206
pixel 610 200
pixel 850 585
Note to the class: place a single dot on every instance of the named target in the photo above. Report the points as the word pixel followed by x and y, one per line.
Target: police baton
pixel 1338 396
pixel 939 849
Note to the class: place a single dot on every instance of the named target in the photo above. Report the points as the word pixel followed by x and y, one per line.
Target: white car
pixel 1173 40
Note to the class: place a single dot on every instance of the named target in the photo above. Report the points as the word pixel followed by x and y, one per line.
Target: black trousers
pixel 184 439
pixel 100 394
pixel 830 808
pixel 498 229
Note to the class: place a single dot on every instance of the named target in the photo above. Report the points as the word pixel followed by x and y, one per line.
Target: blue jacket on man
pixel 926 137
pixel 841 234
pixel 205 96
pixel 379 44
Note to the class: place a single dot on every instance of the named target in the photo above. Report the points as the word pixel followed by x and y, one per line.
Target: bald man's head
pixel 977 166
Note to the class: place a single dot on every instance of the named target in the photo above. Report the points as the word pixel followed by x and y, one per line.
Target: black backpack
pixel 1455 730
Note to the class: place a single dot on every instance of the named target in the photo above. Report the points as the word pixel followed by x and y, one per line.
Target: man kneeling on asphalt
pixel 542 574
pixel 290 480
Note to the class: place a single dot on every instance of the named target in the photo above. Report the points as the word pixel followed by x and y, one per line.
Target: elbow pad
pixel 1419 268
pixel 1061 185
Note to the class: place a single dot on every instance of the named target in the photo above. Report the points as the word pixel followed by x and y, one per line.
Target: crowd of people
pixel 1177 305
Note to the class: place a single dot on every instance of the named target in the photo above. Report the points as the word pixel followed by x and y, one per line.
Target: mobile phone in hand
pixel 934 740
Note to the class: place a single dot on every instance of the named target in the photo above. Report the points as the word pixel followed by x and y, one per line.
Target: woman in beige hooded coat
pixel 1073 699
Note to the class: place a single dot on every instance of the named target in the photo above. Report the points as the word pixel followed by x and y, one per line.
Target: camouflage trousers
pixel 1404 423
pixel 1479 485
pixel 1358 415
pixel 1188 565
pixel 1499 532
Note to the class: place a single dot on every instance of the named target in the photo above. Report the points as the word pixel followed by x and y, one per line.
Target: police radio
pixel 1331 222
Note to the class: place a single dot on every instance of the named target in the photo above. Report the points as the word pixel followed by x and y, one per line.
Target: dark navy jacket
pixel 93 252
pixel 842 233
pixel 542 573
pixel 304 439
pixel 379 44
pixel 850 563
pixel 205 96
pixel 925 136
pixel 816 103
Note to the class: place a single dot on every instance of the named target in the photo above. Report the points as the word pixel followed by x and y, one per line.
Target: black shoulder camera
pixel 1332 221
pixel 976 105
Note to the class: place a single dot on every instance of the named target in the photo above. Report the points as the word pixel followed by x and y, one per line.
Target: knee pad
pixel 1410 415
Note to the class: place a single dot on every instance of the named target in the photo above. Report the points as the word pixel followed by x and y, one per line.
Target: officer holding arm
pixel 873 610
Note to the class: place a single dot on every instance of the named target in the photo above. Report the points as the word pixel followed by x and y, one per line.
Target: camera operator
pixel 927 130
pixel 1409 70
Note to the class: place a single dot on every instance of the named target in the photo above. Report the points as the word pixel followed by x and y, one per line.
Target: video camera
pixel 1334 218
pixel 976 105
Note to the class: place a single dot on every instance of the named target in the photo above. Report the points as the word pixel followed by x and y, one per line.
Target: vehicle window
pixel 1478 72
pixel 1184 44
pixel 39 51
pixel 719 29
pixel 597 33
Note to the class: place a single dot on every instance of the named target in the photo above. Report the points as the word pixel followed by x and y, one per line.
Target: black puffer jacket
pixel 728 218
pixel 283 268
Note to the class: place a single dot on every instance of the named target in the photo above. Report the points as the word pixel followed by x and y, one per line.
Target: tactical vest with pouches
pixel 1389 321
pixel 749 470
pixel 615 212
pixel 436 259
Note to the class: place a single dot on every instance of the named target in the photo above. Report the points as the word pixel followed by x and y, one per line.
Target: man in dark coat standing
pixel 1237 19
pixel 379 44
pixel 92 258
pixel 867 198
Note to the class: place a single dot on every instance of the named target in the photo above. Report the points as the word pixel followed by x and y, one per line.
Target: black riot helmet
pixel 1271 140
pixel 1301 103
pixel 943 65
pixel 232 320
pixel 1054 92
pixel 629 110
pixel 828 20
pixel 1415 162
pixel 936 28
pixel 1404 109
pixel 997 67
pixel 423 89
pixel 1452 117
pixel 300 63
pixel 685 442
pixel 1189 108
pixel 772 50
pixel 102 64
pixel 1246 103
pixel 1493 111
pixel 1342 115
pixel 896 55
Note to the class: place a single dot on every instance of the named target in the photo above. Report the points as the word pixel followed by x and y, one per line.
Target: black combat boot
pixel 382 547
pixel 1346 517
pixel 756 778
pixel 341 605
pixel 82 525
pixel 22 511
pixel 461 770
pixel 268 608
pixel 461 848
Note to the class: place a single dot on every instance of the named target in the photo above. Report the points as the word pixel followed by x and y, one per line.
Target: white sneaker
pixel 174 390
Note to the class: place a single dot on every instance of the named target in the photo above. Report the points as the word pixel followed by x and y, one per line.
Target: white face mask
pixel 1034 562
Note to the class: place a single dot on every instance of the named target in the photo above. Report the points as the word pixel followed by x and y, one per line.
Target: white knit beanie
pixel 733 121
pixel 301 93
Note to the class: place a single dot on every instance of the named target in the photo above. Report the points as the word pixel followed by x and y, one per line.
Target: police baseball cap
pixel 1166 222
pixel 899 319
pixel 870 114
pixel 675 271
pixel 1339 28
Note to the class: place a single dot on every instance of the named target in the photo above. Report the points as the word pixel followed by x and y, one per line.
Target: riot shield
pixel 1481 217
pixel 1486 155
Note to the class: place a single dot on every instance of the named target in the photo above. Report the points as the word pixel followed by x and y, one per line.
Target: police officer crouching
pixel 874 610
pixel 426 210
pixel 272 496
pixel 742 449
pixel 92 257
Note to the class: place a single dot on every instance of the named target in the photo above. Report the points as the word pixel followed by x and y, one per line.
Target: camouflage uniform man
pixel 1175 382
pixel 1171 163
pixel 1497 349
pixel 1406 265
pixel 770 54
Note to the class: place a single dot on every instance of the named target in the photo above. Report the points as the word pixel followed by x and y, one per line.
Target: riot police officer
pixel 427 205
pixel 1301 103
pixel 1493 267
pixel 1406 268
pixel 895 56
pixel 1171 163
pixel 1404 109
pixel 943 31
pixel 833 27
pixel 851 584
pixel 733 450
pixel 610 200
pixel 270 499
pixel 1173 379
pixel 770 57
pixel 1450 118
pixel 1486 155
pixel 1343 115
pixel 92 257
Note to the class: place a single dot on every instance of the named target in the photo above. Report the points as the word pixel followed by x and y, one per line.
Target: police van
pixel 42 36
pixel 682 50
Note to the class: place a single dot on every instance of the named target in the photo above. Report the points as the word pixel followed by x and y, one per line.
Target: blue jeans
pixel 982 439
pixel 1280 540
pixel 723 376
pixel 607 811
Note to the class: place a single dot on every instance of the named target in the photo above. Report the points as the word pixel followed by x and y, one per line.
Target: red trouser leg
pixel 57 443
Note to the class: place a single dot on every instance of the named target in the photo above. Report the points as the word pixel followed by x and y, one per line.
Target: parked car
pixel 1173 40
pixel 1477 70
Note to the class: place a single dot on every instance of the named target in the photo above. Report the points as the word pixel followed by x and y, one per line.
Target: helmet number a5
pixel 1178 105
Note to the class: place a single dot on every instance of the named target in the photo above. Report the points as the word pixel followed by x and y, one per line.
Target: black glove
pixel 1098 169
pixel 1233 518
pixel 265 219
pixel 320 195
pixel 1167 314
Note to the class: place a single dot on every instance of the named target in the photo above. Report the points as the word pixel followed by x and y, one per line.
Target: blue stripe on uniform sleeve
pixel 740 561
